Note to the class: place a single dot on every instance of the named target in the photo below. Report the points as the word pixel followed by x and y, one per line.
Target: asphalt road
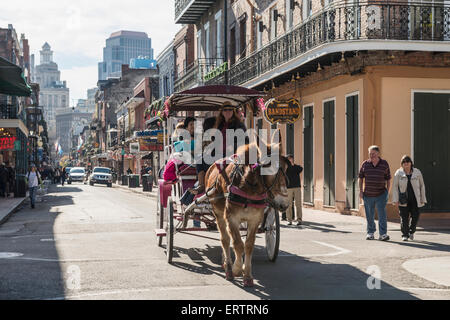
pixel 87 242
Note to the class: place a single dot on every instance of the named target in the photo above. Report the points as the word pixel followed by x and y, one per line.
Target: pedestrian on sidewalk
pixel 376 175
pixel 294 191
pixel 57 178
pixel 63 175
pixel 3 179
pixel 34 180
pixel 408 195
pixel 11 179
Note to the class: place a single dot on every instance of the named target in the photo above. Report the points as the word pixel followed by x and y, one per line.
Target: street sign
pixel 282 111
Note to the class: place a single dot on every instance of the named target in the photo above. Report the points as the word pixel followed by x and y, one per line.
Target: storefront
pixel 13 148
pixel 402 109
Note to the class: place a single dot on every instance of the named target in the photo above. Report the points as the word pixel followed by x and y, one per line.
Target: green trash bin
pixel 147 182
pixel 133 181
pixel 125 180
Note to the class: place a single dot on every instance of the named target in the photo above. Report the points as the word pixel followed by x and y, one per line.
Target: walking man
pixel 376 175
pixel 294 191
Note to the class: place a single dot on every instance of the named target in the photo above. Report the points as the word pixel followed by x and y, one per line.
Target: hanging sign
pixel 283 111
pixel 134 147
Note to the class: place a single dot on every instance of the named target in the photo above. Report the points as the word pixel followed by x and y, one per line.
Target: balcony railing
pixel 348 22
pixel 189 11
pixel 8 111
pixel 195 73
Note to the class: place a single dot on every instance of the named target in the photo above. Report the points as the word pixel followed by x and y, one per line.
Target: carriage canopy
pixel 210 98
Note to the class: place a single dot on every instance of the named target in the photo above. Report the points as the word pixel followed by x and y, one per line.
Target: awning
pixel 12 81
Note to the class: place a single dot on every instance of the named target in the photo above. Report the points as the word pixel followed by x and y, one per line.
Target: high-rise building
pixel 91 99
pixel 121 47
pixel 54 93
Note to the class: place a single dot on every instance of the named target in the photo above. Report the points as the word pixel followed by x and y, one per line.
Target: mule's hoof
pixel 248 283
pixel 229 275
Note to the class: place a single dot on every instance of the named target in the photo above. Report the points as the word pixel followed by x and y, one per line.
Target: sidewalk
pixel 8 206
pixel 138 190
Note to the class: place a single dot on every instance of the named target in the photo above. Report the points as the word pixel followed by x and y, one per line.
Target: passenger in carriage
pixel 229 118
pixel 203 167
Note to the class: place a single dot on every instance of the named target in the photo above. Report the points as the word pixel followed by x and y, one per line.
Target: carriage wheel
pixel 272 231
pixel 159 218
pixel 169 230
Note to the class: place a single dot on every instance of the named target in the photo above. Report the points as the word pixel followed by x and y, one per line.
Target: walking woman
pixel 34 179
pixel 408 193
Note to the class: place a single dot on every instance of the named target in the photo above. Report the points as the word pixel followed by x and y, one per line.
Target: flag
pixel 80 142
pixel 60 152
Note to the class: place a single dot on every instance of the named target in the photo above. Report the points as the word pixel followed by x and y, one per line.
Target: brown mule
pixel 229 214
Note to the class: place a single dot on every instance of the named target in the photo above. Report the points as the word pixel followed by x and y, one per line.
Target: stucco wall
pixel 396 114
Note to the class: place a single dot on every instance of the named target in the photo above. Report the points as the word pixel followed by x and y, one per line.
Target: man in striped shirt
pixel 376 175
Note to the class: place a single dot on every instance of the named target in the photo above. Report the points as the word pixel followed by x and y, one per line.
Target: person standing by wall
pixel 3 179
pixel 11 179
pixel 34 179
pixel 294 191
pixel 376 175
pixel 408 195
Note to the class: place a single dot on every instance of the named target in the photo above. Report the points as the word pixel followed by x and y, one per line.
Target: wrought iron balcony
pixel 8 111
pixel 407 23
pixel 190 11
pixel 195 74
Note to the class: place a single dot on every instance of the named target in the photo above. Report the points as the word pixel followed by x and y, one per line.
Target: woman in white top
pixel 408 193
pixel 34 178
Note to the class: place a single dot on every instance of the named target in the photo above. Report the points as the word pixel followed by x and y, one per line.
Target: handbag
pixel 402 197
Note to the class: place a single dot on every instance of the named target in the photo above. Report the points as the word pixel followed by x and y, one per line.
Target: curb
pixel 14 209
pixel 136 190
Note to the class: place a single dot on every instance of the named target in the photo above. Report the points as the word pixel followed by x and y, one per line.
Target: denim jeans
pixel 33 194
pixel 380 202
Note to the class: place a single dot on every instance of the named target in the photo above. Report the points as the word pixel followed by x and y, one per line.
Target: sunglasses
pixel 228 109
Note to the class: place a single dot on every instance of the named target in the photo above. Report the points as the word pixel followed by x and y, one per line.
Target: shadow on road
pixel 37 274
pixel 292 277
pixel 315 226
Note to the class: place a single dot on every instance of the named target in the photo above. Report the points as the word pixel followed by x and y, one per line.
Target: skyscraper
pixel 121 47
pixel 54 94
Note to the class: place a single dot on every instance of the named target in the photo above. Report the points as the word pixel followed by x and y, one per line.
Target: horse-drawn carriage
pixel 231 204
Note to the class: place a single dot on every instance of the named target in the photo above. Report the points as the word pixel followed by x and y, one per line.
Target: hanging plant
pixel 166 108
pixel 260 105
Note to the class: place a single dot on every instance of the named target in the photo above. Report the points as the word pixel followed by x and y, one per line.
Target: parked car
pixel 101 175
pixel 76 174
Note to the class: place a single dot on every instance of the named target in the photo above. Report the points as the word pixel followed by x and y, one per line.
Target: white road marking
pixel 10 255
pixel 338 252
pixel 425 289
pixel 102 293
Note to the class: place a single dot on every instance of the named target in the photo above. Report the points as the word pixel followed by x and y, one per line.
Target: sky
pixel 77 31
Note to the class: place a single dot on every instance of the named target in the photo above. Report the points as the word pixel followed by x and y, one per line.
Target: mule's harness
pixel 239 197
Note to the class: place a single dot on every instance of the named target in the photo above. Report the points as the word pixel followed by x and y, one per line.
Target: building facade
pixel 54 94
pixel 166 68
pixel 364 73
pixel 14 133
pixel 121 47
pixel 70 124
